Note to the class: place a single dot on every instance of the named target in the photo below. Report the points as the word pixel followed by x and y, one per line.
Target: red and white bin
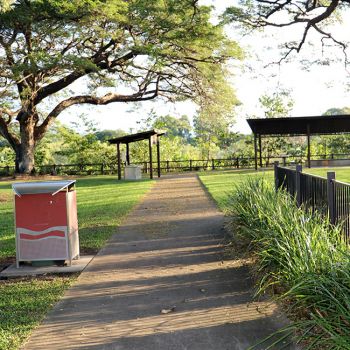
pixel 46 221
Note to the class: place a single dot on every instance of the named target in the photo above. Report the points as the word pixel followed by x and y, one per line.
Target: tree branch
pixel 142 95
pixel 306 13
pixel 72 77
pixel 5 132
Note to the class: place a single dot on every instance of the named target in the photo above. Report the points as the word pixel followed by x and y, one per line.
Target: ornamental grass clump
pixel 299 255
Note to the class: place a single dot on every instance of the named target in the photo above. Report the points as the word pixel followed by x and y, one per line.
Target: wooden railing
pixel 168 166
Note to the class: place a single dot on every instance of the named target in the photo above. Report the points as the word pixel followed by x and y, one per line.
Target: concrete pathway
pixel 161 283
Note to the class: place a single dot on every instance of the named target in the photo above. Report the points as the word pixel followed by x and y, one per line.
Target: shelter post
pixel 255 153
pixel 118 161
pixel 152 136
pixel 127 154
pixel 299 126
pixel 308 146
pixel 158 154
pixel 150 157
pixel 260 152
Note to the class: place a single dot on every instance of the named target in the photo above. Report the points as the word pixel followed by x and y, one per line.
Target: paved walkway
pixel 161 284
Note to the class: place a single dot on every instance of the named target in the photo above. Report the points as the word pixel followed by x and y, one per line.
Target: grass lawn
pixel 103 202
pixel 220 183
pixel 341 173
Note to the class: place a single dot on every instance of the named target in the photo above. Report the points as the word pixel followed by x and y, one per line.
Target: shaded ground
pixel 166 257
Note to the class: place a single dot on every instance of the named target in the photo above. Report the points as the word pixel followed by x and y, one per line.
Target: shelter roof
pixel 137 137
pixel 317 125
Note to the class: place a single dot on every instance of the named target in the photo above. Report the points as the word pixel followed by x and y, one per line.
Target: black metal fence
pixel 286 178
pixel 324 195
pixel 313 193
pixel 342 205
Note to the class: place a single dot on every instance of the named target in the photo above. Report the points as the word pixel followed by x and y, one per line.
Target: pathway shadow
pixel 162 283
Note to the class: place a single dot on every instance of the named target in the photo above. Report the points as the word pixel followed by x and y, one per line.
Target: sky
pixel 314 90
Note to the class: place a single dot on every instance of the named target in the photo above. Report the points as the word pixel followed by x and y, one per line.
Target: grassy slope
pixel 219 184
pixel 102 204
pixel 7 247
pixel 342 173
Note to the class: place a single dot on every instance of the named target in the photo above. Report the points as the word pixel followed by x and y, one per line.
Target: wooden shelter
pixel 297 126
pixel 152 136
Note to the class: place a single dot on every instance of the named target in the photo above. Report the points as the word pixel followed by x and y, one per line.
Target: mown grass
pixel 102 205
pixel 23 304
pixel 342 173
pixel 221 183
pixel 299 256
pixel 103 202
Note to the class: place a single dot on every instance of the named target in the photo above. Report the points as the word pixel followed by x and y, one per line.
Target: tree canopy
pixel 303 16
pixel 108 51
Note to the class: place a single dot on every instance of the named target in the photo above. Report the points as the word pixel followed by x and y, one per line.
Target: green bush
pixel 300 255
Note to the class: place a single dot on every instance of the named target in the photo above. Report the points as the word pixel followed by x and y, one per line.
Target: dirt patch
pixel 4 262
pixel 88 251
pixel 5 197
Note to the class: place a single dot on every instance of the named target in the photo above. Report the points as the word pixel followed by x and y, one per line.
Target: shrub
pixel 300 255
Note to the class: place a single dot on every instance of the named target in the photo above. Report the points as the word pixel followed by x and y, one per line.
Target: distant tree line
pixel 83 143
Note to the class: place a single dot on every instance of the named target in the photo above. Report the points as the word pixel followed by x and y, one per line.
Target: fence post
pixel 275 168
pixel 190 164
pixel 212 164
pixel 167 166
pixel 102 169
pixel 298 170
pixel 284 159
pixel 331 196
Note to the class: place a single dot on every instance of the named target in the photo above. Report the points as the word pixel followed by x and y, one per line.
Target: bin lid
pixel 52 187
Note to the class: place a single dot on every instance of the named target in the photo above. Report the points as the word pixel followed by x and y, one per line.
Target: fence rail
pixel 326 196
pixel 167 166
pixel 236 162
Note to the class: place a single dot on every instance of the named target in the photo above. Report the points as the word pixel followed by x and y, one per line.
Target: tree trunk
pixel 25 150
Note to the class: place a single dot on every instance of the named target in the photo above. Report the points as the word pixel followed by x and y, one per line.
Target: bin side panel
pixel 73 224
pixel 48 248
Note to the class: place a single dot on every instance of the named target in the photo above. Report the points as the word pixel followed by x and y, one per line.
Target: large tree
pixel 136 49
